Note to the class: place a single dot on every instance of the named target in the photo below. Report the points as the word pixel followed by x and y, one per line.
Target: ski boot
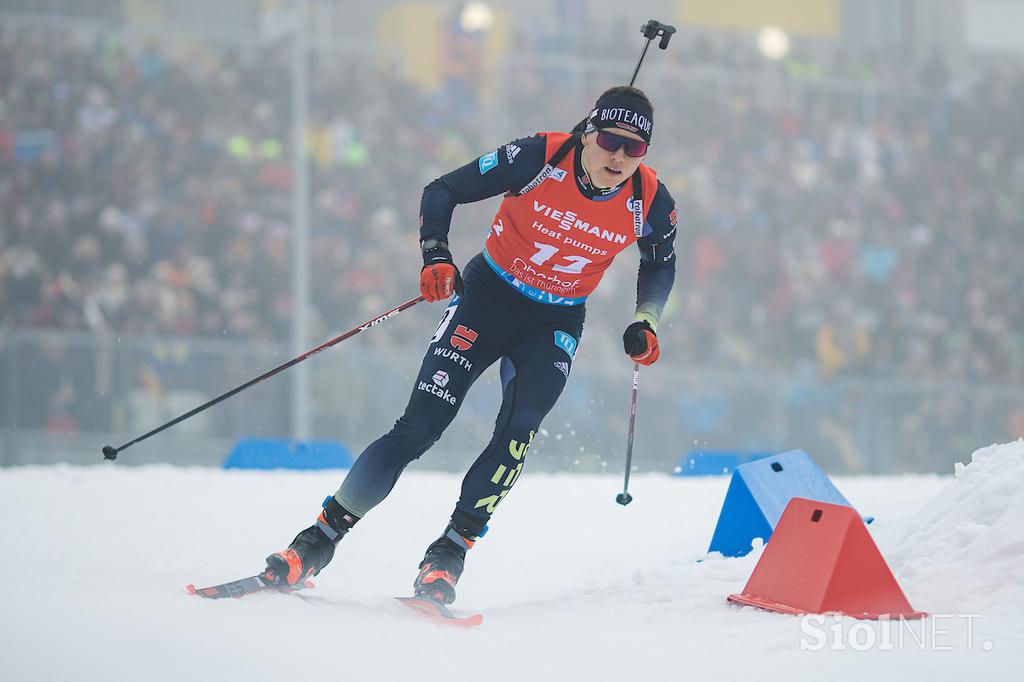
pixel 311 550
pixel 442 565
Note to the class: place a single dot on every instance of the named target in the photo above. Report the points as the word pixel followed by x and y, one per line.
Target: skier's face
pixel 608 169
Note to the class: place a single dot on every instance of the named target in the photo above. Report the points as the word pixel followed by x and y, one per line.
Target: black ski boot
pixel 312 549
pixel 442 565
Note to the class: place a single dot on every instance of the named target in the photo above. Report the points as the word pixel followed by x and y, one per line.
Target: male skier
pixel 572 203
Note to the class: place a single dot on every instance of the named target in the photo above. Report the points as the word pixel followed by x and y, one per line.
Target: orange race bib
pixel 552 243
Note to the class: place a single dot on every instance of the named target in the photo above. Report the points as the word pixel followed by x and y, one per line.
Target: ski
pixel 433 610
pixel 240 588
pixel 438 613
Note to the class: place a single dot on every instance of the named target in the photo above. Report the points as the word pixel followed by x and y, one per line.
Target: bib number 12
pixel 574 264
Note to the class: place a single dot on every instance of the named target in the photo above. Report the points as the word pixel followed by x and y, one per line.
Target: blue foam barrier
pixel 759 492
pixel 715 462
pixel 284 453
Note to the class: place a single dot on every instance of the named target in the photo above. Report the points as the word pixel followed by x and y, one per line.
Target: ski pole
pixel 651 30
pixel 624 497
pixel 110 452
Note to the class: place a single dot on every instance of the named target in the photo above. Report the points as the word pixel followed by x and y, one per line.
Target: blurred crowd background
pixel 851 224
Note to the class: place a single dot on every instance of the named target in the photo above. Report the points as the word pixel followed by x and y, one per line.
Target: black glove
pixel 641 343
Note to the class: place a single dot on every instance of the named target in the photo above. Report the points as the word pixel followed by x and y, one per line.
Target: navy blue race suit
pixel 492 321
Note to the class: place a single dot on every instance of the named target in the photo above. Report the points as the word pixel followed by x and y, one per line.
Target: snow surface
pixel 572 585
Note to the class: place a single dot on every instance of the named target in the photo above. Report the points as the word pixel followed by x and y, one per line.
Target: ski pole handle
pixel 651 30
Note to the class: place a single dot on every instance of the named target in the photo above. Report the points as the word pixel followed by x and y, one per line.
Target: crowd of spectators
pixel 145 190
pixel 883 247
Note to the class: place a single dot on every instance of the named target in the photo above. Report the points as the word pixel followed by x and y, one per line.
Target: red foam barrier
pixel 821 559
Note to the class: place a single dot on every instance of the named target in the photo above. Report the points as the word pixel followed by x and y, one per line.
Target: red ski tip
pixel 190 588
pixel 438 613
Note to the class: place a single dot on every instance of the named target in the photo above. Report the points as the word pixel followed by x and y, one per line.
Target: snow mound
pixel 964 551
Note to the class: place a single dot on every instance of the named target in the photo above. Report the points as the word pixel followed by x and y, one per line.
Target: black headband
pixel 622 112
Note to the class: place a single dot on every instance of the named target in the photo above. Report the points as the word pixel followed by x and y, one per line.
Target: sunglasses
pixel 612 143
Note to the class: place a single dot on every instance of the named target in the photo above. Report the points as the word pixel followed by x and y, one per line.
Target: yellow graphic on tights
pixel 518 452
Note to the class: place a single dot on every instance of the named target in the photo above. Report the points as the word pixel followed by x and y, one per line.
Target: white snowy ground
pixel 573 586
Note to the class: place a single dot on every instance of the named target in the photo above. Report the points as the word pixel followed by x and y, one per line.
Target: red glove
pixel 439 278
pixel 438 282
pixel 641 343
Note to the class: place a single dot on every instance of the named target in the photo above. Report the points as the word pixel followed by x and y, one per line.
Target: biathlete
pixel 572 203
